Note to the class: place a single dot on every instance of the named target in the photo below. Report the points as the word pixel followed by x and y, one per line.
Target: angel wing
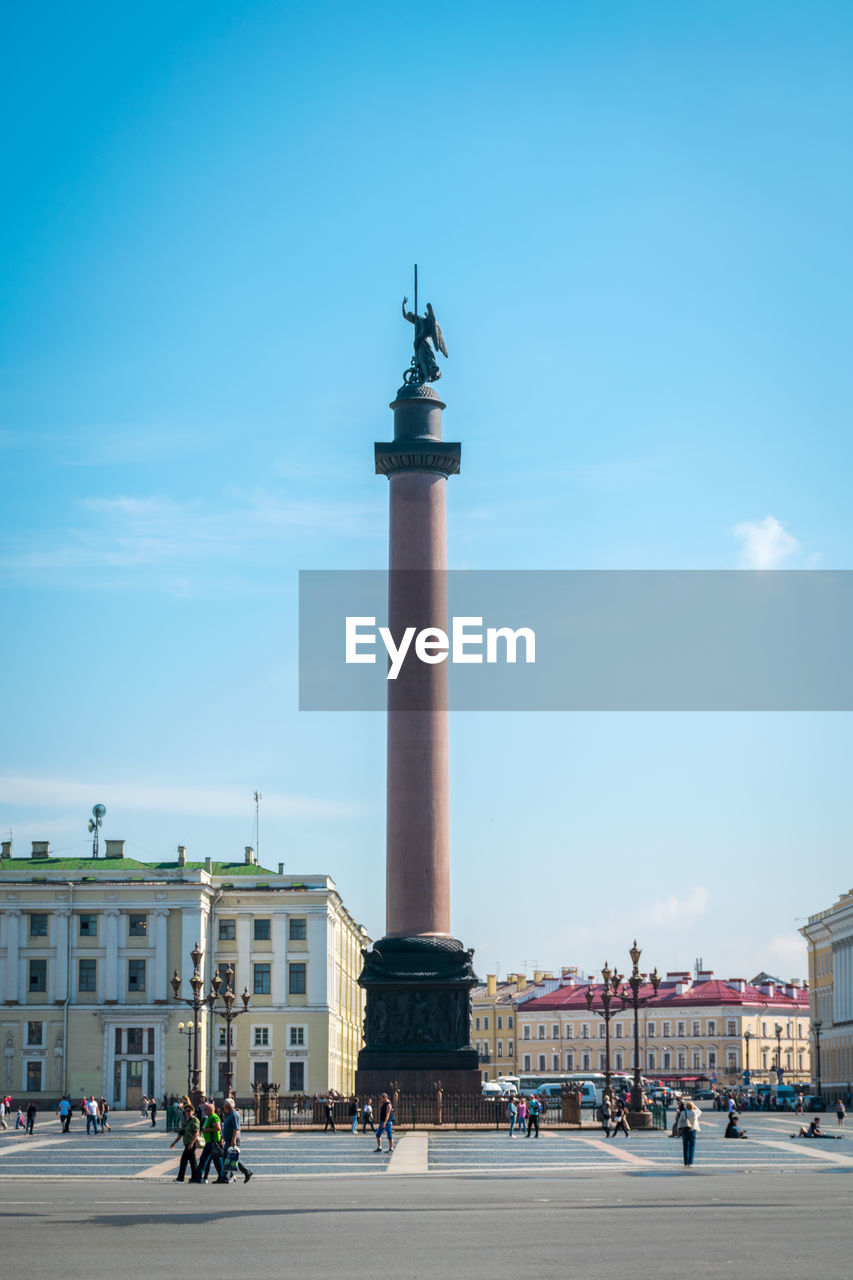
pixel 435 331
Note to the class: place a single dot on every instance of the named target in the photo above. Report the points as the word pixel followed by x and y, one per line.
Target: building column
pixel 318 960
pixel 244 952
pixel 60 978
pixel 11 921
pixel 278 985
pixel 160 966
pixel 113 991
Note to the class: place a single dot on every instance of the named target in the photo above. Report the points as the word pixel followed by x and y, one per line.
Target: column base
pixel 640 1120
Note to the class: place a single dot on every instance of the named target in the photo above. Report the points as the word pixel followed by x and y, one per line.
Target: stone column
pixel 278 985
pixel 317 957
pixel 417 464
pixel 11 920
pixel 60 978
pixel 113 988
pixel 160 960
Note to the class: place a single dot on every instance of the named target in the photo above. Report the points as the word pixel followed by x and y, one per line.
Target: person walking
pixel 688 1127
pixel 367 1117
pixel 152 1109
pixel 104 1114
pixel 330 1116
pixel 3 1110
pixel 211 1132
pixel 386 1115
pixel 606 1114
pixel 231 1137
pixel 840 1111
pixel 64 1110
pixel 620 1123
pixel 522 1115
pixel 31 1117
pixel 512 1114
pixel 188 1132
pixel 91 1113
pixel 353 1114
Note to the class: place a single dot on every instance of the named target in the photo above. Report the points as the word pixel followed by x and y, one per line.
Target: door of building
pixel 133 1089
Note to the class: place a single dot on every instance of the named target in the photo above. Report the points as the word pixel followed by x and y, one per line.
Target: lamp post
pixel 188 1029
pixel 196 1095
pixel 778 1033
pixel 816 1027
pixel 641 1117
pixel 609 989
pixel 747 1036
pixel 229 1013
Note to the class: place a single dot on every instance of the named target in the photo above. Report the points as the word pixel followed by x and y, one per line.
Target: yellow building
pixel 830 937
pixel 702 1031
pixel 88 947
pixel 494 1017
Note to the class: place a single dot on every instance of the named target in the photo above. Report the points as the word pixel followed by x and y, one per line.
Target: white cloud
pixel 765 543
pixel 226 801
pixel 788 956
pixel 676 910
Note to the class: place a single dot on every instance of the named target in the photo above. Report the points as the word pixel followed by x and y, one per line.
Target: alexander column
pixel 418 978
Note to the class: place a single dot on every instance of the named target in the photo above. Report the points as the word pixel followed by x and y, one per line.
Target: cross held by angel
pixel 428 340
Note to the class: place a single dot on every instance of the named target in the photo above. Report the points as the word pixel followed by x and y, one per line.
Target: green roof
pixel 129 864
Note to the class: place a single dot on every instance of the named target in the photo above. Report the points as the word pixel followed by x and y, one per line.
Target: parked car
pixel 704 1095
pixel 814 1102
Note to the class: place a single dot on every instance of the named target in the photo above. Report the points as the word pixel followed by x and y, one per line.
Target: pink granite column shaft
pixel 418 818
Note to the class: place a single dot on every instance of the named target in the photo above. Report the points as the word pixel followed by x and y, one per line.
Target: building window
pixel 540 1031
pixel 764 1028
pixel 509 1022
pixel 526 1062
pixel 87 975
pixel 227 930
pixel 555 1062
pixel 476 1024
pixel 261 1073
pixel 584 1031
pixel 650 1030
pixel 570 1062
pixel 555 1031
pixel 88 926
pixel 263 930
pixel 618 1061
pixel 665 1032
pixel 296 980
pixel 298 929
pixel 680 1031
pixel 681 1062
pixel 134 1039
pixel 712 1061
pixel 585 1063
pixel 650 1063
pixel 222 1043
pixel 34 1077
pixel 617 1028
pixel 568 1031
pixel 297 1036
pixel 38 975
pixel 500 1048
pixel 601 1062
pixel 136 975
pixel 667 1061
pixel 697 1061
pixel 764 1059
pixel 601 1031
pixel 731 1027
pixel 137 925
pixel 541 1062
pixel 712 1027
pixel 485 1024
pixel 297 1077
pixel 509 1049
pixel 262 1036
pixel 35 1033
pixel 697 1028
pixel 525 1035
pixel 500 1023
pixel 38 924
pixel 261 979
pixel 732 1060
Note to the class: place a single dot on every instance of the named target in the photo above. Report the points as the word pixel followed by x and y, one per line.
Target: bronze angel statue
pixel 428 335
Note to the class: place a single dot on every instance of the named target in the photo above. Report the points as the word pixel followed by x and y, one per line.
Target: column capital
pixel 12 911
pixel 62 912
pixel 160 912
pixel 111 911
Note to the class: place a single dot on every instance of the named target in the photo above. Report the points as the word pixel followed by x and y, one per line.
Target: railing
pixel 413 1110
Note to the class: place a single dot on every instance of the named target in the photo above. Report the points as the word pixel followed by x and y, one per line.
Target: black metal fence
pixel 411 1111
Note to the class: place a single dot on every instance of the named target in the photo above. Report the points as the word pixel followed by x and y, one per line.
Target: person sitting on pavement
pixel 732 1129
pixel 813 1131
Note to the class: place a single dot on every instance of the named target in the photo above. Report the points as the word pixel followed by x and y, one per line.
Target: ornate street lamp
pixel 229 1014
pixel 189 1030
pixel 747 1036
pixel 196 1095
pixel 778 1031
pixel 641 1117
pixel 816 1026
pixel 610 988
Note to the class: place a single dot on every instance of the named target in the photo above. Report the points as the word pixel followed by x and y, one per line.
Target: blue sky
pixel 633 221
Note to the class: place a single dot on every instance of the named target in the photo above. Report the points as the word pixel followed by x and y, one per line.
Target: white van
pixel 550 1094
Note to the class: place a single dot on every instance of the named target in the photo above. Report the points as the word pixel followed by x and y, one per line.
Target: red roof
pixel 714 992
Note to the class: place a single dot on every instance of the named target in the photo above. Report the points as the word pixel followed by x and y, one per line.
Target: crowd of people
pixel 210 1140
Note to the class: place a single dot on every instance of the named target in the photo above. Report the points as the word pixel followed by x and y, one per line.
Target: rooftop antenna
pixel 95 825
pixel 258 798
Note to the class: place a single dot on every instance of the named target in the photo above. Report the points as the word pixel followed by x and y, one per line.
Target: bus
pixel 620 1082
